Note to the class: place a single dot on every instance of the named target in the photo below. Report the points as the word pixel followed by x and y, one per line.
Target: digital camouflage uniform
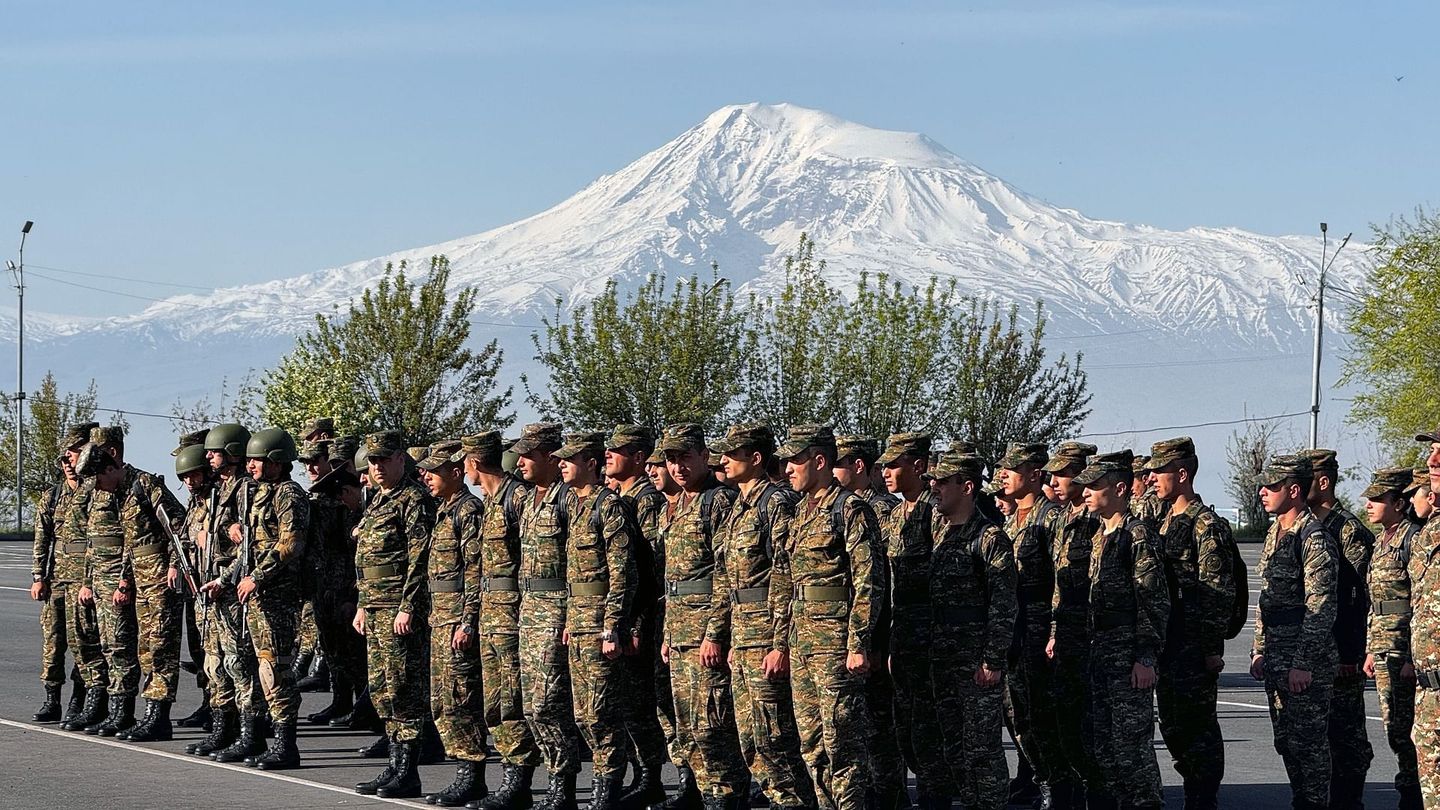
pixel 1387 635
pixel 392 541
pixel 1424 571
pixel 334 597
pixel 105 568
pixel 836 592
pixel 230 649
pixel 57 562
pixel 72 569
pixel 1145 504
pixel 196 526
pixel 1294 628
pixel 1129 610
pixel 974 605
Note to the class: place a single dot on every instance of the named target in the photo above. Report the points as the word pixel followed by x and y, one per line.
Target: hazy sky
pixel 211 144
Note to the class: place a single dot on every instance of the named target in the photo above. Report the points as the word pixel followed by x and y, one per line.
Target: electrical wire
pixel 1198 425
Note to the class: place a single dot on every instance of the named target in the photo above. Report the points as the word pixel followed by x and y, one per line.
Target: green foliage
pixel 395 359
pixel 652 359
pixel 1246 456
pixel 234 403
pixel 1395 335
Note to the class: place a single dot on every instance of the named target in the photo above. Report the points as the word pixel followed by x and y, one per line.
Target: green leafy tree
pixel 234 403
pixel 398 358
pixel 655 357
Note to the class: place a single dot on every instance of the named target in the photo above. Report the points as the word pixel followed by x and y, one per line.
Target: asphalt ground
pixel 41 766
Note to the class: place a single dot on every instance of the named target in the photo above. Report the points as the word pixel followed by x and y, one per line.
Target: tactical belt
pixel 77 547
pixel 1428 678
pixel 745 596
pixel 446 585
pixel 960 615
pixel 596 588
pixel 147 549
pixel 494 584
pixel 1111 619
pixel 1391 607
pixel 377 571
pixel 822 593
pixel 1277 617
pixel 689 587
pixel 542 584
pixel 107 542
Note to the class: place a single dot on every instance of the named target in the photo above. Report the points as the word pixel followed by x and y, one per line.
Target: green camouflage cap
pixel 968 465
pixel 321 424
pixel 441 453
pixel 1321 461
pixel 962 446
pixel 1068 455
pixel 993 486
pixel 715 460
pixel 344 449
pixel 417 453
pixel 314 451
pixel 1120 462
pixel 77 434
pixel 488 443
pixel 332 482
pixel 739 437
pixel 900 445
pixel 657 456
pixel 682 437
pixel 804 437
pixel 1388 479
pixel 1284 468
pixel 1018 454
pixel 866 448
pixel 577 443
pixel 191 439
pixel 1429 438
pixel 1163 454
pixel 539 436
pixel 384 444
pixel 112 434
pixel 1420 478
pixel 637 436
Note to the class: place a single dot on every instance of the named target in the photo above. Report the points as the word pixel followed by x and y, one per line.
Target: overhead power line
pixel 1197 425
pixel 125 278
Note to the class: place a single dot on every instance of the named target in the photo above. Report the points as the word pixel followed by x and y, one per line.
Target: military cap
pixel 538 436
pixel 577 443
pixel 715 461
pixel 1420 478
pixel 804 437
pixel 900 445
pixel 1388 479
pixel 314 451
pixel 993 485
pixel 1321 460
pixel 1018 454
pixel 963 446
pixel 657 456
pixel 1069 454
pixel 190 439
pixel 968 465
pixel 637 436
pixel 418 452
pixel 384 444
pixel 332 482
pixel 322 424
pixel 1120 462
pixel 739 437
pixel 112 434
pixel 1284 468
pixel 862 447
pixel 1431 437
pixel 1163 454
pixel 93 460
pixel 480 444
pixel 344 449
pixel 77 434
pixel 682 437
pixel 441 453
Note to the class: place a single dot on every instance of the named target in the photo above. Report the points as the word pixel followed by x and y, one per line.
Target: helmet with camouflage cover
pixel 191 458
pixel 272 444
pixel 229 438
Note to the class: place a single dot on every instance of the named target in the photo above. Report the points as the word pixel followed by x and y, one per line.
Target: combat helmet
pixel 229 438
pixel 190 459
pixel 272 444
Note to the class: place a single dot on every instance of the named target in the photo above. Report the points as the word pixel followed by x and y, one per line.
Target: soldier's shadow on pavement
pixel 1244 797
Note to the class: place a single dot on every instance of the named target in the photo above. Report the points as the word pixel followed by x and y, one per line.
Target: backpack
pixel 789 496
pixel 1240 573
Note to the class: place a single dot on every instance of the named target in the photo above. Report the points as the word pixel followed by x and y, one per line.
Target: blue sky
pixel 212 144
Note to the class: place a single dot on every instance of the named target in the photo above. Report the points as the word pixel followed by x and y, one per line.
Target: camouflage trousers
pixel 1121 728
pixel 157 612
pixel 665 711
pixel 705 723
pixel 1301 723
pixel 1069 685
pixel 1350 750
pixel 270 618
pixel 344 648
pixel 888 778
pixel 193 641
pixel 769 739
pixel 1426 736
pixel 974 716
pixel 398 668
pixel 545 683
pixel 119 640
pixel 642 722
pixel 504 702
pixel 229 658
pixel 1030 706
pixel 1397 710
pixel 834 725
pixel 82 636
pixel 1186 694
pixel 918 724
pixel 457 695
pixel 54 642
pixel 597 697
pixel 307 636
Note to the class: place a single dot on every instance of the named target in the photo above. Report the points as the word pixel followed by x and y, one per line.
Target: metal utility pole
pixel 1320 331
pixel 18 272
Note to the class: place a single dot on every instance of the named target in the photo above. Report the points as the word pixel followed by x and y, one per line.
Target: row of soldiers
pixel 826 619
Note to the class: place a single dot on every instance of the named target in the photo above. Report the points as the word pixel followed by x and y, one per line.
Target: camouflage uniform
pixel 704 716
pixel 1129 610
pixel 72 569
pixel 334 596
pixel 1146 505
pixel 230 649
pixel 54 562
pixel 392 541
pixel 1425 646
pixel 745 578
pixel 837 591
pixel 105 568
pixel 1294 628
pixel 973 587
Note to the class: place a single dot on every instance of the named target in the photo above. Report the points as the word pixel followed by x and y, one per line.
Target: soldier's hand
pixel 1407 671
pixel 776 665
pixel 1257 667
pixel 87 596
pixel 201 538
pixel 461 640
pixel 1050 649
pixel 665 653
pixel 172 579
pixel 610 649
pixel 1369 666
pixel 245 589
pixel 359 621
pixel 211 589
pixel 1141 676
pixel 402 623
pixel 858 663
pixel 39 591
pixel 236 536
pixel 565 636
pixel 1299 681
pixel 712 655
pixel 121 596
pixel 1215 663
pixel 986 677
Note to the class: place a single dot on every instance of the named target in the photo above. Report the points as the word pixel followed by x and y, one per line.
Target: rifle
pixel 243 500
pixel 182 561
pixel 207 556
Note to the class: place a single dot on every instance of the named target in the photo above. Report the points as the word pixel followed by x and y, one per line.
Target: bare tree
pixel 1246 455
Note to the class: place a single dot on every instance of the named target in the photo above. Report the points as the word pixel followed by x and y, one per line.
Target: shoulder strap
pixel 507 503
pixel 707 503
pixel 837 512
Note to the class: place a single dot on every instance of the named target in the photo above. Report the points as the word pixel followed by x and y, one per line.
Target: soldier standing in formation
pixel 1425 629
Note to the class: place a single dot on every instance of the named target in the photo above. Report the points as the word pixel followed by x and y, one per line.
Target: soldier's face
pixel 1423 500
pixel 386 472
pixel 623 462
pixel 575 471
pixel 317 469
pixel 952 493
pixel 72 457
pixel 847 472
pixel 1432 461
pixel 659 477
pixel 1106 496
pixel 110 479
pixel 537 467
pixel 688 467
pixel 1384 510
pixel 1282 497
pixel 740 466
pixel 1166 482
pixel 803 471
pixel 193 480
pixel 216 459
pixel 1012 482
pixel 255 467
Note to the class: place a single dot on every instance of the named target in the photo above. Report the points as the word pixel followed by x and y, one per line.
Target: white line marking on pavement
pixel 189 760
pixel 1267 708
pixel 13 588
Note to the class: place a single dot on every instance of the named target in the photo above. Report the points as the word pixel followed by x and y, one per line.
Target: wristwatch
pixel 467 629
pixel 36 578
pixel 608 635
pixel 1147 661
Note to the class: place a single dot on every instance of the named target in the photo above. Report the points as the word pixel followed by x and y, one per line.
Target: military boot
pixel 755 795
pixel 1410 798
pixel 469 785
pixel 646 790
pixel 199 717
pixel 223 729
pixel 1044 797
pixel 380 748
pixel 1100 799
pixel 97 706
pixel 283 753
pixel 687 794
pixel 156 727
pixel 559 793
pixel 1023 788
pixel 144 721
pixel 248 742
pixel 317 679
pixel 605 793
pixel 384 777
pixel 300 665
pixel 406 784
pixel 1202 796
pixel 513 793
pixel 77 702
pixel 122 716
pixel 342 700
pixel 49 711
pixel 364 717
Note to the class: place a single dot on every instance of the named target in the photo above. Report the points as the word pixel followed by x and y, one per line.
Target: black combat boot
pixel 248 742
pixel 317 679
pixel 283 753
pixel 513 793
pixel 1099 799
pixel 364 716
pixel 1044 797
pixel 97 706
pixel 469 785
pixel 380 748
pixel 755 795
pixel 49 711
pixel 1204 796
pixel 198 718
pixel 647 789
pixel 406 784
pixel 342 700
pixel 77 702
pixel 223 729
pixel 143 722
pixel 1023 788
pixel 122 716
pixel 687 794
pixel 559 793
pixel 605 793
pixel 1410 798
pixel 384 777
pixel 300 665
pixel 156 727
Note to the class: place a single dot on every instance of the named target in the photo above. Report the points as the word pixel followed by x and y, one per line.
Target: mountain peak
pixel 808 133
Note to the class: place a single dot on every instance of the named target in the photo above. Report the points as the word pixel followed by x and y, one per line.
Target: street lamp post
pixel 18 272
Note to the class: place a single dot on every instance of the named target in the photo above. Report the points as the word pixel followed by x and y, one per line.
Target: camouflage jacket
pixel 756 603
pixel 1197 545
pixel 649 506
pixel 131 514
pixel 692 613
pixel 456 566
pixel 909 542
pixel 332 555
pixel 1148 507
pixel 1296 619
pixel 279 521
pixel 234 494
pixel 500 558
pixel 193 527
pixel 1425 597
pixel 832 564
pixel 1075 531
pixel 1129 599
pixel 1034 550
pixel 882 501
pixel 391 543
pixel 542 556
pixel 599 563
pixel 1352 606
pixel 973 592
pixel 58 555
pixel 1388 632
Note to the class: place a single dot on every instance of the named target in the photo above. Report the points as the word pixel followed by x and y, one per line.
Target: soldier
pixel 201 717
pixel 757 634
pixel 1294 648
pixel 51 595
pixel 694 641
pixel 69 569
pixel 1027 684
pixel 1425 627
pixel 1129 610
pixel 331 556
pixel 343 452
pixel 1387 638
pixel 544 661
pixel 1069 646
pixel 973 586
pixel 660 479
pixel 309 666
pixel 319 430
pixel 908 536
pixel 1145 505
pixel 1198 546
pixel 504 497
pixel 831 559
pixel 855 471
pixel 392 541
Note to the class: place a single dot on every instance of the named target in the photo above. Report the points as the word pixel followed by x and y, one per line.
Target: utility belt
pixel 378 571
pixel 689 587
pixel 445 585
pixel 822 593
pixel 1280 617
pixel 594 587
pixel 1391 607
pixel 147 549
pixel 750 596
pixel 1428 678
pixel 107 542
pixel 499 584
pixel 74 547
pixel 1111 619
pixel 543 584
